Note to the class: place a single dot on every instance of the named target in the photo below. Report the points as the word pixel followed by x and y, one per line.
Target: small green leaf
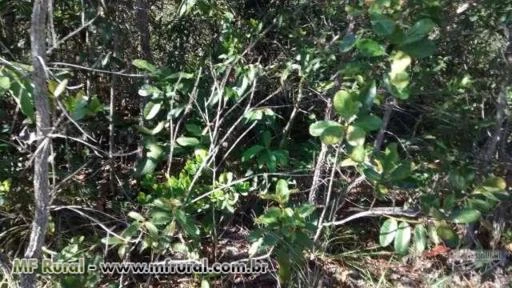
pixel 465 216
pixel 401 172
pixel 358 154
pixel 369 122
pixel 494 184
pixel 144 65
pixel 420 238
pixel 348 42
pixel 419 30
pixel 271 216
pixel 136 216
pixel 187 141
pixel 151 228
pixel 282 191
pixel 153 131
pixel 370 48
pixel 345 104
pixel 5 83
pixel 251 152
pixel 332 135
pixel 402 238
pixel 447 234
pixel 355 136
pixel 382 25
pixel 388 232
pixel 481 204
pixel 316 129
pixel 155 151
pixel 368 95
pixel 26 104
pixel 420 49
pixel 151 110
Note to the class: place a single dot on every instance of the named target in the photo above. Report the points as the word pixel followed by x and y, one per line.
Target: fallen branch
pixel 376 212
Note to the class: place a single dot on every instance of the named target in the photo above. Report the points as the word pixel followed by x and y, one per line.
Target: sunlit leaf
pixel 402 238
pixel 465 216
pixel 370 48
pixel 355 136
pixel 388 232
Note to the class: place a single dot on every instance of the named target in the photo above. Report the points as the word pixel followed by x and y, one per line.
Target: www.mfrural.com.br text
pixel 168 266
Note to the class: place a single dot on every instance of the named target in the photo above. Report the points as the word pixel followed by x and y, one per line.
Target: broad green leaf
pixel 332 135
pixel 316 129
pixel 420 49
pixel 161 217
pixel 420 238
pixel 419 30
pixel 369 122
pixel 355 136
pixel 148 164
pixel 348 42
pixel 348 163
pixel 449 202
pixel 371 174
pixel 368 95
pixel 370 48
pixel 382 25
pixel 254 115
pixel 136 216
pixel 345 104
pixel 155 151
pixel 147 90
pixel 5 83
pixel 305 210
pixel 481 204
pixel 144 65
pixel 401 172
pixel 205 283
pixel 187 223
pixel 358 154
pixel 187 141
pixel 447 234
pixel 399 63
pixel 388 232
pixel 465 216
pixel 251 152
pixel 271 216
pixel 151 228
pixel 153 131
pixel 282 191
pixel 494 184
pixel 151 110
pixel 26 104
pixel 194 129
pixel 402 238
pixel 398 77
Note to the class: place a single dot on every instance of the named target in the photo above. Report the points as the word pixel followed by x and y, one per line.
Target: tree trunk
pixel 41 187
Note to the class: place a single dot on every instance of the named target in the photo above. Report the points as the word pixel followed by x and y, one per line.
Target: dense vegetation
pixel 345 143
